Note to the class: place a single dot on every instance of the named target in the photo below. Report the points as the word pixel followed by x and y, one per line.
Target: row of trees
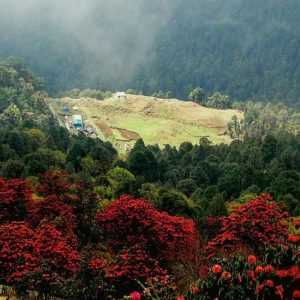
pixel 86 93
pixel 263 119
pixel 215 100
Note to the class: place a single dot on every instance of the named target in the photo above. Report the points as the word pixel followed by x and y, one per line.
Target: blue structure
pixel 77 122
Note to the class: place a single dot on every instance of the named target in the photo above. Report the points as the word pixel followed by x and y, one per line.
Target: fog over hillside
pixel 246 49
pixel 110 38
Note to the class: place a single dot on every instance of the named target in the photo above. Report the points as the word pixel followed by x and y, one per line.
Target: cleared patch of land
pixel 157 121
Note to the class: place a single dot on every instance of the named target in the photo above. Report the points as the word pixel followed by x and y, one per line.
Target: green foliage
pixel 163 95
pixel 32 142
pixel 121 181
pixel 261 120
pixel 217 100
pixel 142 162
pixel 87 93
pixel 197 95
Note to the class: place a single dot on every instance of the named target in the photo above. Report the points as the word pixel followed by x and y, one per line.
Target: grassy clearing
pixel 157 121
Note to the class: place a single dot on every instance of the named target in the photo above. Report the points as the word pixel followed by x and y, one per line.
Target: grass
pixel 157 121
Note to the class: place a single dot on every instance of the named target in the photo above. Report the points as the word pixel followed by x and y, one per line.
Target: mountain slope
pixel 247 49
pixel 243 48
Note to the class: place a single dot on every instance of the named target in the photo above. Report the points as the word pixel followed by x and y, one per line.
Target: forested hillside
pixel 79 222
pixel 31 140
pixel 246 49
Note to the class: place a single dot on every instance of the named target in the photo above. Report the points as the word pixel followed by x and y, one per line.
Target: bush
pixel 252 226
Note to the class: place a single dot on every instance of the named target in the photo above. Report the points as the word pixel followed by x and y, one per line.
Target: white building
pixel 120 95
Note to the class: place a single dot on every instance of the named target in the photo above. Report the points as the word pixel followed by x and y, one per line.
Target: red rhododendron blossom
pixel 296 295
pixel 130 221
pixel 252 225
pixel 226 276
pixel 279 291
pixel 268 269
pixel 97 264
pixel 282 273
pixel 252 260
pixel 131 265
pixel 269 283
pixel 195 290
pixel 55 250
pixel 294 238
pixel 259 288
pixel 216 269
pixel 180 298
pixel 17 257
pixel 251 275
pixel 53 210
pixel 56 182
pixel 135 296
pixel 15 196
pixel 294 272
pixel 259 269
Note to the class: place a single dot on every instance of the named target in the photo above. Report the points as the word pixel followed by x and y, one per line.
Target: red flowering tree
pixel 259 223
pixel 144 241
pixel 17 256
pixel 237 277
pixel 40 259
pixel 59 259
pixel 57 182
pixel 15 196
pixel 134 264
pixel 128 222
pixel 57 203
pixel 53 211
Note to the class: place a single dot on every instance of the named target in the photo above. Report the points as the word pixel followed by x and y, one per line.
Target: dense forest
pixel 246 49
pixel 78 222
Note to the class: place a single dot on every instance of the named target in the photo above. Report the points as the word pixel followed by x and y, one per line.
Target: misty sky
pixel 115 34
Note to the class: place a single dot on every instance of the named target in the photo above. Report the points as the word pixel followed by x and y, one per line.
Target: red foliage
pixel 15 195
pixel 217 269
pixel 56 182
pixel 238 276
pixel 128 222
pixel 294 239
pixel 251 226
pixel 144 242
pixel 17 258
pixel 35 257
pixel 53 210
pixel 132 265
pixel 135 296
pixel 59 260
pixel 97 264
pixel 57 205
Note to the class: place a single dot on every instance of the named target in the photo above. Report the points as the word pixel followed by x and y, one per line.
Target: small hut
pixel 120 95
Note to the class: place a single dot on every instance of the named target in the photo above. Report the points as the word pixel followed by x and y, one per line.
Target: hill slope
pixel 246 49
pixel 157 121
